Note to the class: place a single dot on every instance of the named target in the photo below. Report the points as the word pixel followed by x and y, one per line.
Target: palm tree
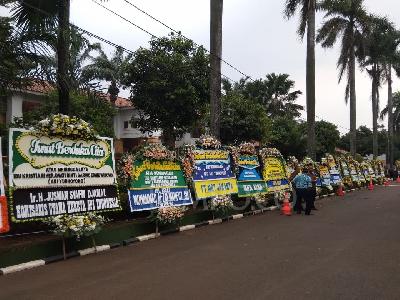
pixel 380 51
pixel 348 19
pixel 110 70
pixel 307 21
pixel 396 112
pixel 392 60
pixel 40 17
pixel 216 7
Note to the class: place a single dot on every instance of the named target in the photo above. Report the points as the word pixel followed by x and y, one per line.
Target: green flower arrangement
pixel 63 126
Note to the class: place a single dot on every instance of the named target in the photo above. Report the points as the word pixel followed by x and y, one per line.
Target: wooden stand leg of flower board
pixel 63 248
pixel 94 243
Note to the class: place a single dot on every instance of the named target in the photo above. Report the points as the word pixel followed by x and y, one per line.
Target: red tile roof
pixel 44 87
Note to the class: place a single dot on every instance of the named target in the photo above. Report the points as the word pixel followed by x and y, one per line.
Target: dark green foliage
pixel 19 58
pixel 111 70
pixel 275 93
pixel 328 137
pixel 364 141
pixel 243 120
pixel 169 84
pixel 288 136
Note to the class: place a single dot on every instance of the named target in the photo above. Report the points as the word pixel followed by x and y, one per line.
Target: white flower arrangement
pixel 260 198
pixel 76 225
pixel 208 142
pixel 247 149
pixel 60 125
pixel 265 152
pixel 221 204
pixel 170 214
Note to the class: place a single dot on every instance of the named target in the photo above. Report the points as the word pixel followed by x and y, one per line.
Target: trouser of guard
pixel 305 194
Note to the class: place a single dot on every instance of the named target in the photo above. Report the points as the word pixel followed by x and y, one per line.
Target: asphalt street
pixel 349 249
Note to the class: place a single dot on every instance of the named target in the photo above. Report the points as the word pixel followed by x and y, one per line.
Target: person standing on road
pixel 302 182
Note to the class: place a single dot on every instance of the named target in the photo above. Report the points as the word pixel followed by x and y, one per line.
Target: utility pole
pixel 216 7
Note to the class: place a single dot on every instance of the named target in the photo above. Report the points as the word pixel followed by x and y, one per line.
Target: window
pixel 126 124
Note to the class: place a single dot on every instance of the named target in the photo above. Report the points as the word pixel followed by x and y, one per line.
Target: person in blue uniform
pixel 302 183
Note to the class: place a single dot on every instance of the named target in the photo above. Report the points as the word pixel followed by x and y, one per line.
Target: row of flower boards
pixel 61 167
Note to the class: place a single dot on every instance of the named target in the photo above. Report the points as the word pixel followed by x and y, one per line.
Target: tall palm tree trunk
pixel 353 103
pixel 63 41
pixel 390 117
pixel 216 7
pixel 310 77
pixel 374 112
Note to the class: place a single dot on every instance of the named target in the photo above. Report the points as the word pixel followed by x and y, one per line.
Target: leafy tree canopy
pixel 275 93
pixel 19 58
pixel 288 136
pixel 243 120
pixel 169 83
pixel 364 141
pixel 327 136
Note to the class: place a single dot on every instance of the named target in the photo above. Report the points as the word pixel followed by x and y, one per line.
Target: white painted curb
pixel 92 250
pixel 24 266
pixel 216 221
pixel 238 216
pixel 187 227
pixel 148 237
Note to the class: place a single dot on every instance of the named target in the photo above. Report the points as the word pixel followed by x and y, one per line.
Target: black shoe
pixel 314 208
pixel 308 214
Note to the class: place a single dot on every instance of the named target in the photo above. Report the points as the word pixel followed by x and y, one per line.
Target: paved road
pixel 350 249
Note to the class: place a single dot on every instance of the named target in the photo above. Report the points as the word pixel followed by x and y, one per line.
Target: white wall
pixel 125 115
pixel 15 102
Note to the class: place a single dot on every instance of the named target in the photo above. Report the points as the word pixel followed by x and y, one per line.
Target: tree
pixel 275 93
pixel 387 42
pixel 216 7
pixel 307 10
pixel 19 58
pixel 349 19
pixel 379 42
pixel 288 136
pixel 169 84
pixel 111 70
pixel 40 17
pixel 243 120
pixel 80 51
pixel 327 137
pixel 396 113
pixel 364 141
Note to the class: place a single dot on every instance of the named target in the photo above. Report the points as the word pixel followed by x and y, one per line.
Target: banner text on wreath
pixel 212 174
pixel 157 184
pixel 50 176
pixel 60 149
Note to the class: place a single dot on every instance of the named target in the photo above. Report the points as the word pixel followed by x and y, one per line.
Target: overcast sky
pixel 256 39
